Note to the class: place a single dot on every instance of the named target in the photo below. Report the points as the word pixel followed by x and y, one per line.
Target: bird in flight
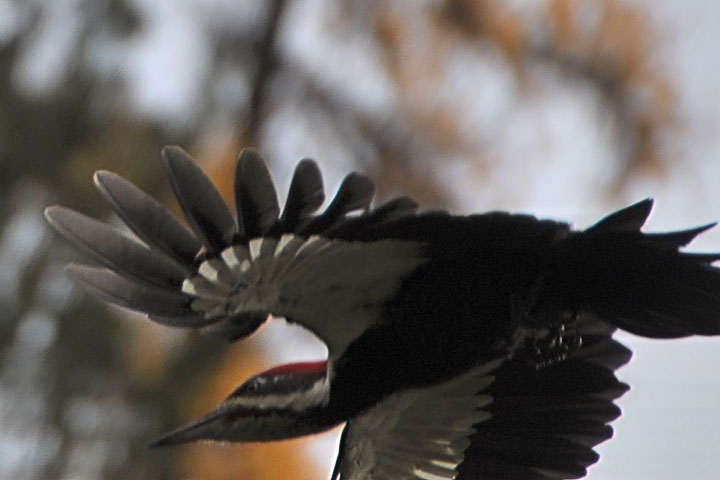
pixel 459 347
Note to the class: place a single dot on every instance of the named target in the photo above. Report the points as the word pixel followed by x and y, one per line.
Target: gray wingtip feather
pixel 146 217
pixel 79 229
pixel 124 292
pixel 54 215
pixel 101 177
pixel 114 250
pixel 173 153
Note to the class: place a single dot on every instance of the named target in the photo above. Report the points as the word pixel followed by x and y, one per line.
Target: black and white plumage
pixel 504 419
pixel 497 325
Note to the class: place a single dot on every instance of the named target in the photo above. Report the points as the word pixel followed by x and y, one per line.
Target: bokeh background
pixel 562 108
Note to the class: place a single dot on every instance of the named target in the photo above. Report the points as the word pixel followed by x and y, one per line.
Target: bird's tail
pixel 639 282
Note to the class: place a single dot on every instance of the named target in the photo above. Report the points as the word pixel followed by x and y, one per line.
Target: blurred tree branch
pixel 266 65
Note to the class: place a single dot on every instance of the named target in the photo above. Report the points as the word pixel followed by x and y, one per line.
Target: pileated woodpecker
pixel 468 347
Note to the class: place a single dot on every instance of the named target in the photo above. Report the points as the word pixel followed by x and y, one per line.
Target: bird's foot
pixel 560 341
pixel 551 336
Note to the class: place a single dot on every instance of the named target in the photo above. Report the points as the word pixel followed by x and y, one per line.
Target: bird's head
pixel 278 404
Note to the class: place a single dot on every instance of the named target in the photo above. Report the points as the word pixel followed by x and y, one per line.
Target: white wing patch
pixel 418 433
pixel 332 287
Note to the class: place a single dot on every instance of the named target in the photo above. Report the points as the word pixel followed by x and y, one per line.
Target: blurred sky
pixel 670 428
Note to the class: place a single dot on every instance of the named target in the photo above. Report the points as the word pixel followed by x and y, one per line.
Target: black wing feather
pixel 377 217
pixel 204 208
pixel 305 196
pixel 546 421
pixel 255 195
pixel 680 238
pixel 630 219
pixel 355 193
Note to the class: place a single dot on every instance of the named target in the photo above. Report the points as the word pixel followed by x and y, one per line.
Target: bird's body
pixel 459 346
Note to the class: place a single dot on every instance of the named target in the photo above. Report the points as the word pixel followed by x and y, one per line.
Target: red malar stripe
pixel 300 368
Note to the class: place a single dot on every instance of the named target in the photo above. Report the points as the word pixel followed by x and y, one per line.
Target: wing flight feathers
pixel 255 197
pixel 181 276
pixel 147 218
pixel 204 208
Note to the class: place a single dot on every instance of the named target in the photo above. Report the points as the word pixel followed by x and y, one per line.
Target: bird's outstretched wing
pixel 547 419
pixel 509 420
pixel 417 433
pixel 228 272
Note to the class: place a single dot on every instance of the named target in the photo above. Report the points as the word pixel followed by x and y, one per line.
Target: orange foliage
pixel 606 43
pixel 219 161
pixel 147 353
pixel 418 68
pixel 616 52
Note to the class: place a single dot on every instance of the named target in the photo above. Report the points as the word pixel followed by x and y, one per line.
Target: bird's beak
pixel 203 429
